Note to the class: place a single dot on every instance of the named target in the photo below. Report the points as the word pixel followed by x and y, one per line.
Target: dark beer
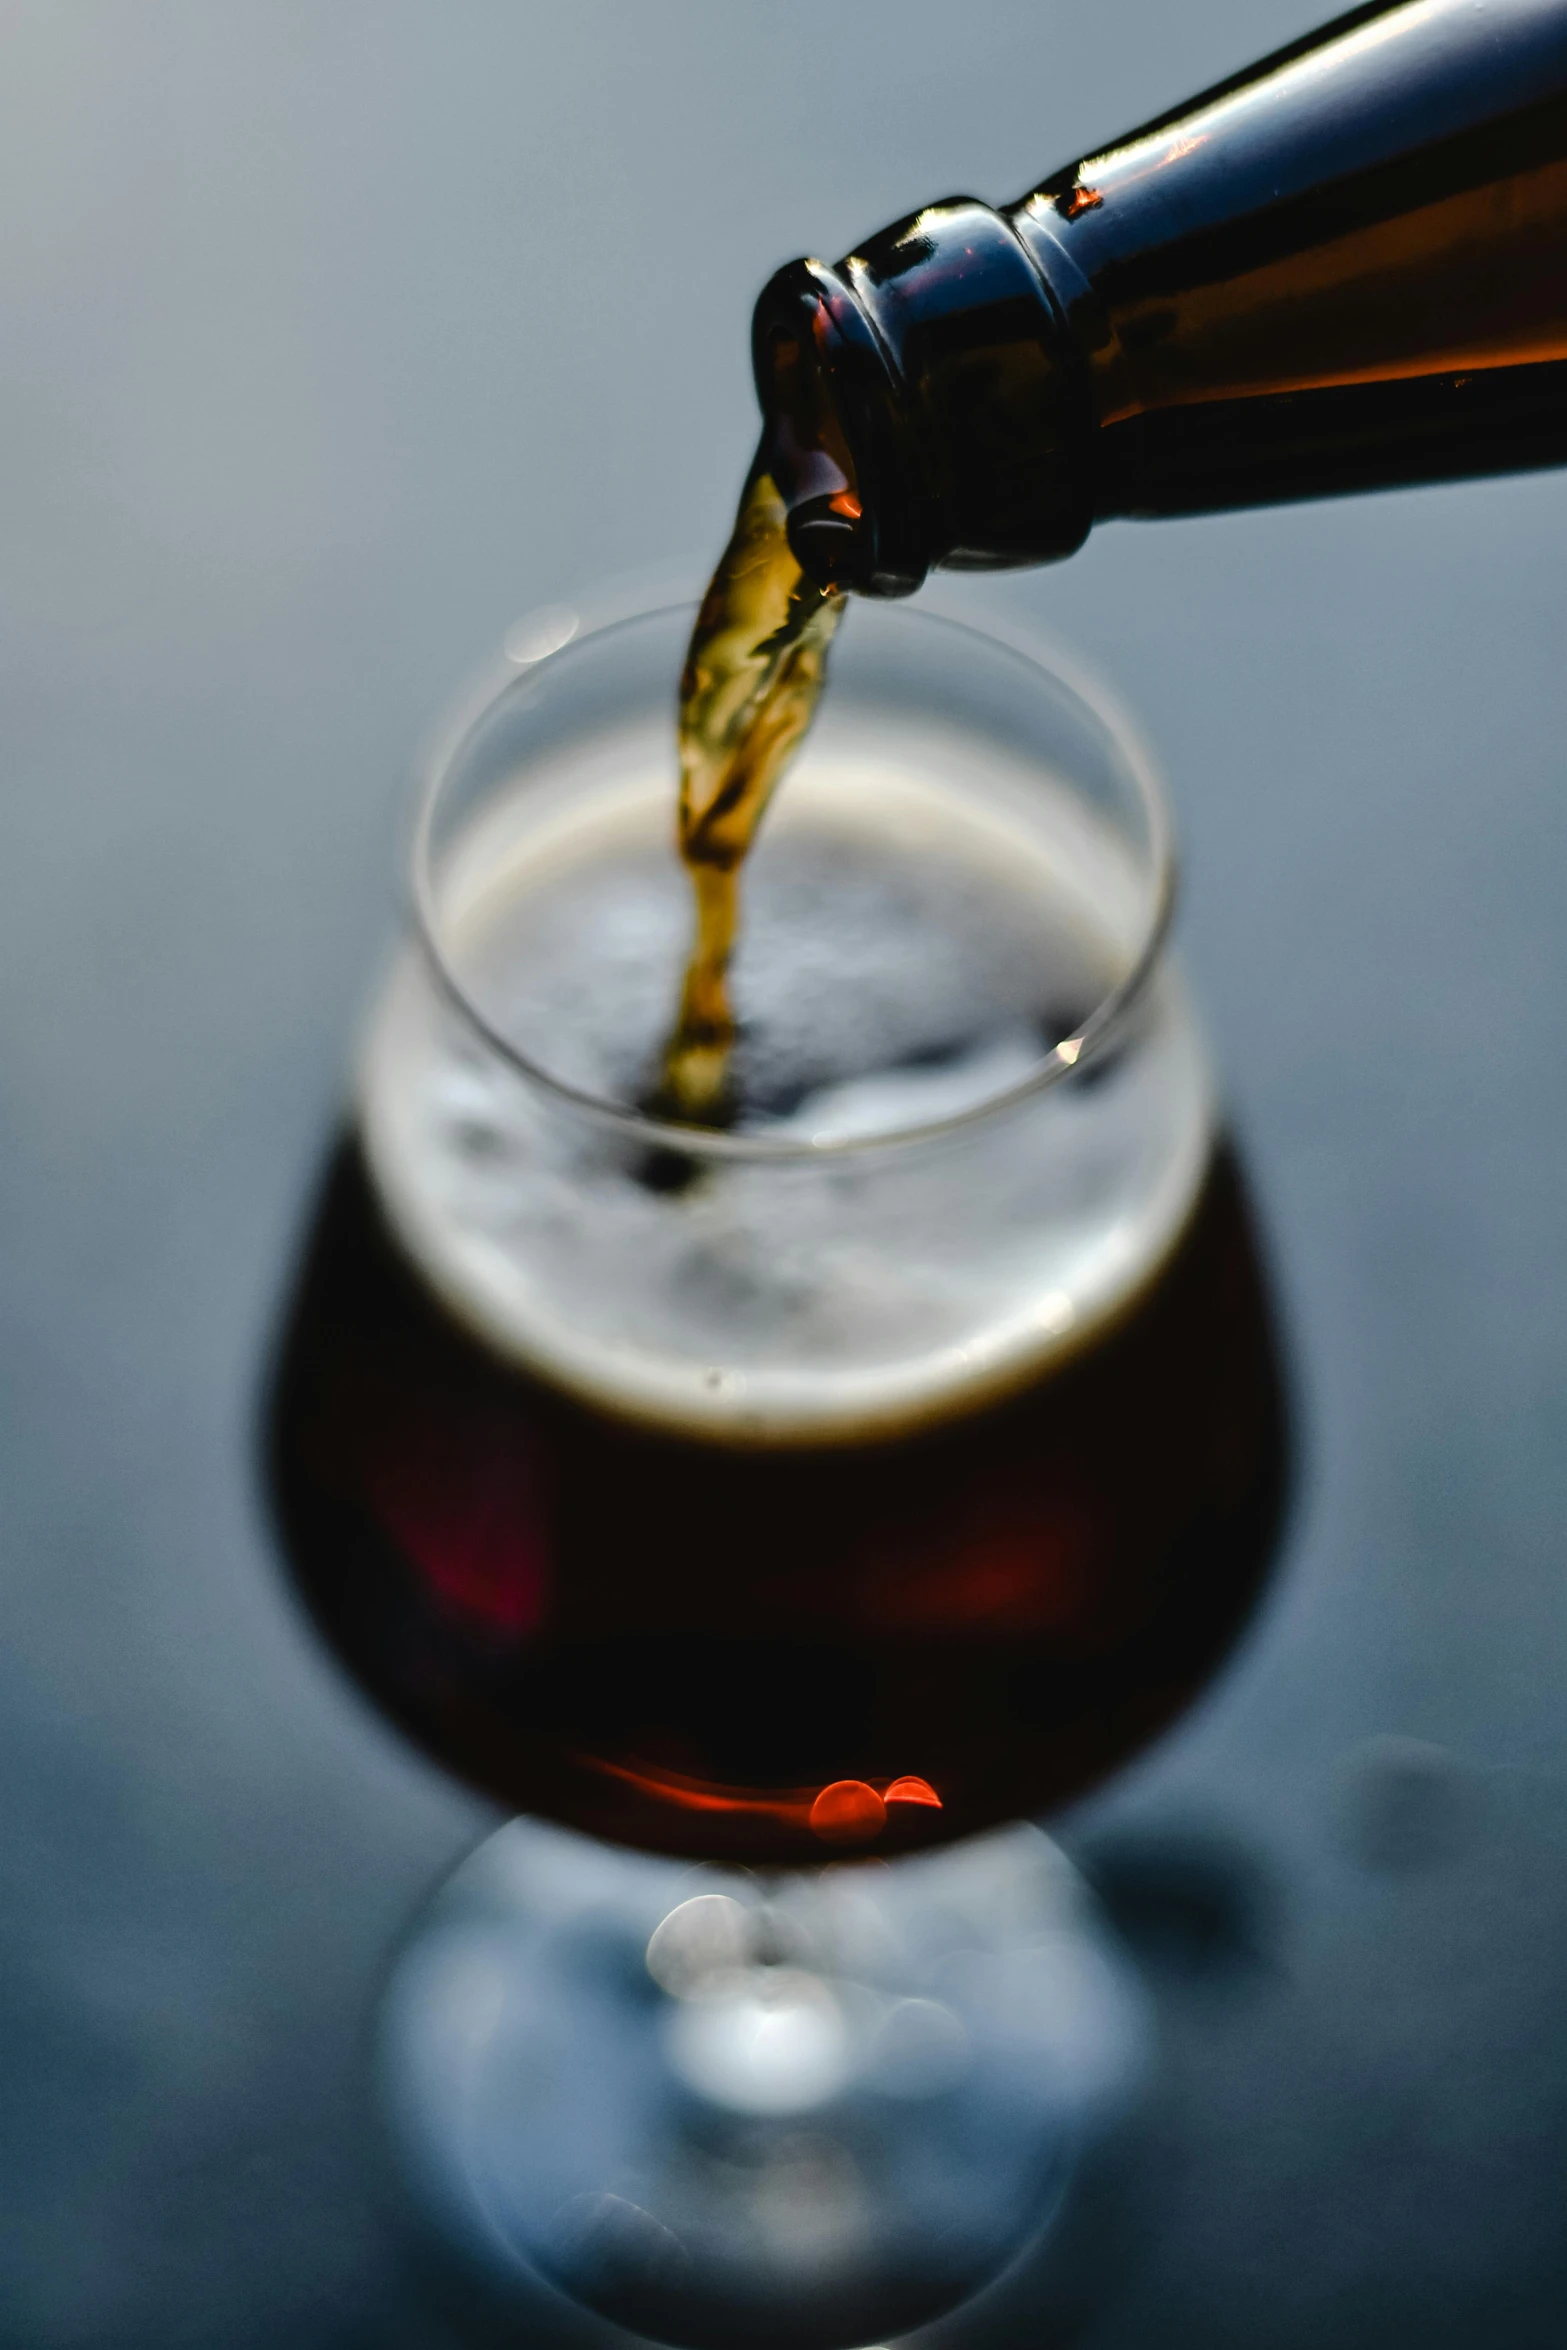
pixel 772 1654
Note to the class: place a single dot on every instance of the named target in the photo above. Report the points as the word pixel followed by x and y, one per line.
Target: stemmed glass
pixel 778 1516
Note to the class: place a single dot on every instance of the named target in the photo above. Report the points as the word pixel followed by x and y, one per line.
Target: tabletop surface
pixel 334 340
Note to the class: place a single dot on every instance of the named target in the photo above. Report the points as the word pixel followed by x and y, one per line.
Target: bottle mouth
pixel 833 437
pixel 925 402
pixel 577 658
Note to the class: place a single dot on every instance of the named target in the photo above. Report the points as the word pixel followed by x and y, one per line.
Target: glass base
pixel 807 2110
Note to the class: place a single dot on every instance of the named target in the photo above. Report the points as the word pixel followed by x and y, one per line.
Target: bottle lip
pixel 810 311
pixel 938 365
pixel 570 634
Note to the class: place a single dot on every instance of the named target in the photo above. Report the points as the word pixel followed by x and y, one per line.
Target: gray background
pixel 332 337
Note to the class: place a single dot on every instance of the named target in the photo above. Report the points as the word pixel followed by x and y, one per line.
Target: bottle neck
pixel 1344 269
pixel 927 401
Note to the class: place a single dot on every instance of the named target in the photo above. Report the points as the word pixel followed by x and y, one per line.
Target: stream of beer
pixel 752 679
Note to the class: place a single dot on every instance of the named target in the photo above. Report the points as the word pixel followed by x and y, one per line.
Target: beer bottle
pixel 1343 269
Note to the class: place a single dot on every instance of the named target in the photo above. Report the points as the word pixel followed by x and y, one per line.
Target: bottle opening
pixel 808 456
pixel 833 435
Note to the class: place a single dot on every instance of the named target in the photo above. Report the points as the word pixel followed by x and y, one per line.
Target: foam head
pixel 934 912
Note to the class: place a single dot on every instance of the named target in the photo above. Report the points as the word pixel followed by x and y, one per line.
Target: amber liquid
pixel 753 675
pixel 771 1655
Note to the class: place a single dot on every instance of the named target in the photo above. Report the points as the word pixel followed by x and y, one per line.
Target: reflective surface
pixel 288 444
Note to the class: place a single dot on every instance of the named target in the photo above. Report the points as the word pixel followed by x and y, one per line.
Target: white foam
pixel 912 917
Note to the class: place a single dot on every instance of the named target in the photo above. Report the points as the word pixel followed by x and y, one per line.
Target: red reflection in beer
pixel 458 1495
pixel 912 1790
pixel 1027 1561
pixel 789 1807
pixel 848 1812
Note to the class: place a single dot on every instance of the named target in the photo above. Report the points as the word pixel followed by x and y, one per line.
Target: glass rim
pixel 542 635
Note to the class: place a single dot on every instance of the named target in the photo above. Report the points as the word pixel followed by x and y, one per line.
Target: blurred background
pixel 333 340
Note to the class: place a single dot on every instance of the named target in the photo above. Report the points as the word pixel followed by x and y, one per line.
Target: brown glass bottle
pixel 1343 269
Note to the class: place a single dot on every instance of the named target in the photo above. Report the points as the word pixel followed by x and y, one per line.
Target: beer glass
pixel 779 1515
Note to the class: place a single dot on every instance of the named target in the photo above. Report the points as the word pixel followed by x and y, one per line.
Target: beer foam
pixel 923 922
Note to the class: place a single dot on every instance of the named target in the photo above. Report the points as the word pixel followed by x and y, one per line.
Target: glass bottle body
pixel 1345 269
